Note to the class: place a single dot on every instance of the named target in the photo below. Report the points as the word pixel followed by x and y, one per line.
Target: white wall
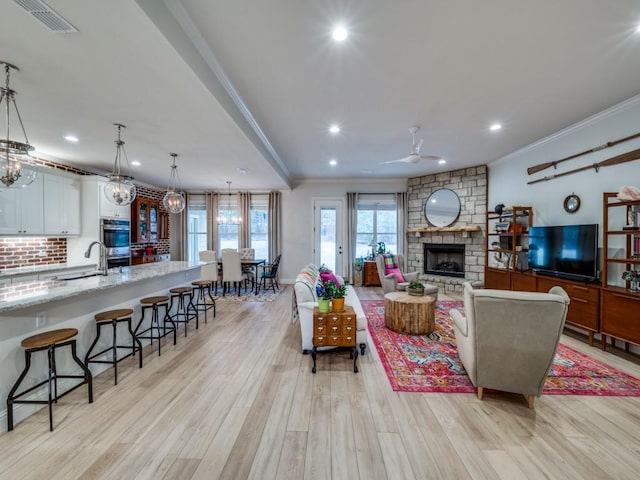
pixel 297 216
pixel 508 176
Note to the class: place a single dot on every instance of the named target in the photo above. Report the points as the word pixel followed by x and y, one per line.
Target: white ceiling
pixel 255 84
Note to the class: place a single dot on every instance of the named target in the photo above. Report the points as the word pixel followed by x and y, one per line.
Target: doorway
pixel 328 231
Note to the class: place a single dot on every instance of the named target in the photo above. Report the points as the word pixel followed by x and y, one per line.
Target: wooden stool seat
pixel 180 290
pixel 202 283
pixel 154 300
pixel 49 338
pixel 113 314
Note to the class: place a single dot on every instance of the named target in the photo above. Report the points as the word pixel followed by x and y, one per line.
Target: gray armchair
pixel 507 340
pixel 390 282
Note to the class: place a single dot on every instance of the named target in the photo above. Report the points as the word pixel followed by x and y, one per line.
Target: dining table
pixel 249 263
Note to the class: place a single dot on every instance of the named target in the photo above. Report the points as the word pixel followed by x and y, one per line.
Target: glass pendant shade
pixel 13 172
pixel 120 189
pixel 229 219
pixel 173 200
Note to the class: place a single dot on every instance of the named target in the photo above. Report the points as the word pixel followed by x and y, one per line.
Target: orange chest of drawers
pixel 334 329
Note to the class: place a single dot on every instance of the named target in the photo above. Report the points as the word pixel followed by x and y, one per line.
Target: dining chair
pixel 248 270
pixel 231 271
pixel 210 271
pixel 270 272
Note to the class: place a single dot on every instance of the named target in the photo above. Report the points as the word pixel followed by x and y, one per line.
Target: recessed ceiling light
pixel 243 170
pixel 135 163
pixel 334 129
pixel 495 127
pixel 442 161
pixel 333 162
pixel 71 138
pixel 340 33
pixel 638 28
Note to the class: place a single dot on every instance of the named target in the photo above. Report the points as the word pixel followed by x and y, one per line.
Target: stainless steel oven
pixel 116 236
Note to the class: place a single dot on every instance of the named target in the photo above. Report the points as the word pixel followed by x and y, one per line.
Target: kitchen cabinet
pixel 144 220
pixel 106 208
pixel 62 205
pixel 21 211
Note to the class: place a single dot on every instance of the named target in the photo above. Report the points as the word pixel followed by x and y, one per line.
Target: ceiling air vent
pixel 46 15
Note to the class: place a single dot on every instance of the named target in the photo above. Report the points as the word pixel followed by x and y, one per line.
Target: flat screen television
pixel 568 251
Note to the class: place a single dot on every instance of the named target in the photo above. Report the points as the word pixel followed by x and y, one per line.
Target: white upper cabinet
pixel 21 209
pixel 62 205
pixel 108 209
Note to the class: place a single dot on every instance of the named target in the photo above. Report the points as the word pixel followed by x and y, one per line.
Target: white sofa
pixel 304 299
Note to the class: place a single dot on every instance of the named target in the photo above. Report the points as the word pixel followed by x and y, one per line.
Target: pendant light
pixel 13 172
pixel 229 219
pixel 120 189
pixel 173 200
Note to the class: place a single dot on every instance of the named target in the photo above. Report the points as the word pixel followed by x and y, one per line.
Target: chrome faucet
pixel 103 256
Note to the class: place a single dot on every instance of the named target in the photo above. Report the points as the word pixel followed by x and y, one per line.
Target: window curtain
pixel 212 218
pixel 245 214
pixel 402 218
pixel 352 227
pixel 179 224
pixel 275 225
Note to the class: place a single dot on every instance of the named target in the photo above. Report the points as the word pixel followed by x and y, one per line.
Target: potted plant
pixel 324 297
pixel 632 276
pixel 337 295
pixel 415 288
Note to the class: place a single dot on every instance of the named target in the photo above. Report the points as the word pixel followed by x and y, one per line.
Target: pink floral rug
pixel 430 363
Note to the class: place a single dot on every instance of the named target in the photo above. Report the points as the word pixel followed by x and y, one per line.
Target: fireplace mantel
pixel 465 229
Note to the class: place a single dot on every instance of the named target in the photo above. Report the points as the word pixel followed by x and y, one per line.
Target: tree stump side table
pixel 410 314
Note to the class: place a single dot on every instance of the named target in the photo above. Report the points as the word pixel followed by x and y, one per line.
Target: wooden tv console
pixel 584 309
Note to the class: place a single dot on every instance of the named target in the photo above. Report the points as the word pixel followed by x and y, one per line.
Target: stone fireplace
pixel 464 239
pixel 446 259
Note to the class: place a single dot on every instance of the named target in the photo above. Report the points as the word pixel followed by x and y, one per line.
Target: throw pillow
pixel 391 266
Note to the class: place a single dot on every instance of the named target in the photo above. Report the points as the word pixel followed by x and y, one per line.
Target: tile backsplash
pixel 31 251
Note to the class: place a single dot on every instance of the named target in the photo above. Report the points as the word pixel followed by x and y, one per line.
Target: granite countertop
pixel 53 267
pixel 28 293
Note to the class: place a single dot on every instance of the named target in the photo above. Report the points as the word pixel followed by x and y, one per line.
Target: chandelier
pixel 229 219
pixel 120 189
pixel 173 200
pixel 13 173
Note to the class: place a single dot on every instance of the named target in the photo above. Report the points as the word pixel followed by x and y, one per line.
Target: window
pixel 377 222
pixel 228 234
pixel 259 226
pixel 197 226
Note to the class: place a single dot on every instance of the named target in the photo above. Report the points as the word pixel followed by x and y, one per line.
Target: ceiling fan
pixel 414 156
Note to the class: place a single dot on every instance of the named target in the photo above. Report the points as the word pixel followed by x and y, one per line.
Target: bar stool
pixel 49 341
pixel 154 303
pixel 200 289
pixel 113 318
pixel 184 295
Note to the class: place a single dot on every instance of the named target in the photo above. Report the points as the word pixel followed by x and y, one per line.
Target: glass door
pixel 328 233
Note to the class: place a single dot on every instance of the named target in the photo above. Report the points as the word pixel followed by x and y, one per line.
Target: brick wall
pixel 22 252
pixel 470 184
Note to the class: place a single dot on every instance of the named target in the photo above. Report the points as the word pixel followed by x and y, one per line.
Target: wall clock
pixel 572 203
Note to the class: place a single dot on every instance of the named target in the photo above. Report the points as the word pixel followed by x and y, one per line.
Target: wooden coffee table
pixel 410 314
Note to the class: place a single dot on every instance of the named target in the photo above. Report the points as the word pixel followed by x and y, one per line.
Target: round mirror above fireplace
pixel 442 208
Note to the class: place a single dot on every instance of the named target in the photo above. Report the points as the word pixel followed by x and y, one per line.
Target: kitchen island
pixel 32 307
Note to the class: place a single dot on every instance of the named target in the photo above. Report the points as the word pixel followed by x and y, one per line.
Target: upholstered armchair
pixel 390 281
pixel 507 340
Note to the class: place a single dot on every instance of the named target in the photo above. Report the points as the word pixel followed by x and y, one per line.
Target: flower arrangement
pixel 416 284
pixel 337 291
pixel 631 275
pixel 323 291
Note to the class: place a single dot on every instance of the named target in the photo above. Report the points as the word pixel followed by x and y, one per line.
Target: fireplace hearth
pixel 445 259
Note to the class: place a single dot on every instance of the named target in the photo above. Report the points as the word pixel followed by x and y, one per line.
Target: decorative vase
pixel 634 286
pixel 415 291
pixel 337 304
pixel 323 305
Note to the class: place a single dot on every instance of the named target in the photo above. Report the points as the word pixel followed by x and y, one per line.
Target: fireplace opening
pixel 445 259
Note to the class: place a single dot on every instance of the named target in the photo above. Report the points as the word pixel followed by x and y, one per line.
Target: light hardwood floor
pixel 237 400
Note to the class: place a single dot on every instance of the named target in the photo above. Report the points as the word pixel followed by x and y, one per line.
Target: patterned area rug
pixel 430 363
pixel 263 296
